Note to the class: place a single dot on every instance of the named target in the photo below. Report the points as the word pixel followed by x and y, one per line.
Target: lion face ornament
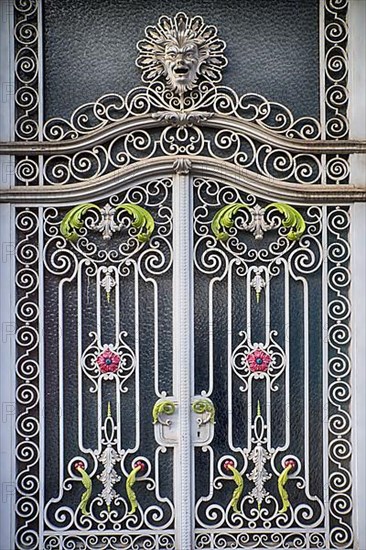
pixel 181 49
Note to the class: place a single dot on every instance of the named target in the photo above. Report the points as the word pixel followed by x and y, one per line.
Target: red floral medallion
pixel 108 361
pixel 258 361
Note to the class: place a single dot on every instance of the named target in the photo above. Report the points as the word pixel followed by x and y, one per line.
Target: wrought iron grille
pixel 271 423
pixel 270 314
pixel 182 305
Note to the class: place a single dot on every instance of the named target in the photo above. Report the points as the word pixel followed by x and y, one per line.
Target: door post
pixel 183 348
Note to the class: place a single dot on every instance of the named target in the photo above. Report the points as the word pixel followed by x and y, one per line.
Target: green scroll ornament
pixel 87 482
pixel 224 220
pixel 162 407
pixel 238 478
pixel 282 480
pixel 142 220
pixel 293 220
pixel 130 492
pixel 73 220
pixel 201 406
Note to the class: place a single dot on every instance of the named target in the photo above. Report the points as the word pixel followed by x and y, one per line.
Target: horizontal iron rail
pixel 143 171
pixel 114 129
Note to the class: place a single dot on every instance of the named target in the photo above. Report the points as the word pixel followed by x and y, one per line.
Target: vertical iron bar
pixel 183 353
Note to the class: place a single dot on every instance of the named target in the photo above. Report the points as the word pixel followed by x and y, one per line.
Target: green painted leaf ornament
pixel 238 478
pixel 282 480
pixel 142 220
pixel 224 219
pixel 162 407
pixel 87 482
pixel 73 220
pixel 130 492
pixel 293 220
pixel 204 406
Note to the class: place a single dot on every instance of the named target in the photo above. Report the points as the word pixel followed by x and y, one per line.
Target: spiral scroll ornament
pixel 336 68
pixel 181 60
pixel 100 375
pixel 339 368
pixel 28 87
pixel 28 378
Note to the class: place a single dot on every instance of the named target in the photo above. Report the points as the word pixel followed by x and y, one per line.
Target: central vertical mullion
pixel 183 352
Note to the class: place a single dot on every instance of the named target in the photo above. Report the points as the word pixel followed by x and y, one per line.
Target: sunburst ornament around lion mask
pixel 181 49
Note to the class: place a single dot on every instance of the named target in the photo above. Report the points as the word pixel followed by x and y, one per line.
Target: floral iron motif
pixel 130 483
pixel 258 360
pixel 109 477
pixel 109 457
pixel 166 407
pixel 73 220
pixel 259 475
pixel 107 226
pixel 87 482
pixel 259 456
pixel 258 283
pixel 204 407
pixel 224 220
pixel 108 282
pixel 108 361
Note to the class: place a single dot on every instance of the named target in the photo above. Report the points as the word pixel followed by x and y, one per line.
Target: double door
pixel 179 401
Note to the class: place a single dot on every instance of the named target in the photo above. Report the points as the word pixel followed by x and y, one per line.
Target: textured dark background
pixel 90 48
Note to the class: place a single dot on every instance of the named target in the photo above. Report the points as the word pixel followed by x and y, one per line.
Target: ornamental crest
pixel 181 50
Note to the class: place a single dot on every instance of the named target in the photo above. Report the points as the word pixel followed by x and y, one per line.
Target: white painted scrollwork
pixel 182 132
pixel 28 379
pixel 114 541
pixel 106 366
pixel 339 389
pixel 26 36
pixel 335 124
pixel 91 472
pixel 263 371
pixel 109 366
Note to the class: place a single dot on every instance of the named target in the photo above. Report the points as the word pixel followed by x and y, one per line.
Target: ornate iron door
pixel 270 274
pixel 181 361
pixel 182 311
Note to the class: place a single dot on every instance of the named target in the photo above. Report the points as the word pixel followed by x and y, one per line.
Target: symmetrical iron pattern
pixel 27 66
pixel 201 128
pixel 28 87
pixel 338 383
pixel 336 69
pixel 281 419
pixel 106 417
pixel 188 118
pixel 29 378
